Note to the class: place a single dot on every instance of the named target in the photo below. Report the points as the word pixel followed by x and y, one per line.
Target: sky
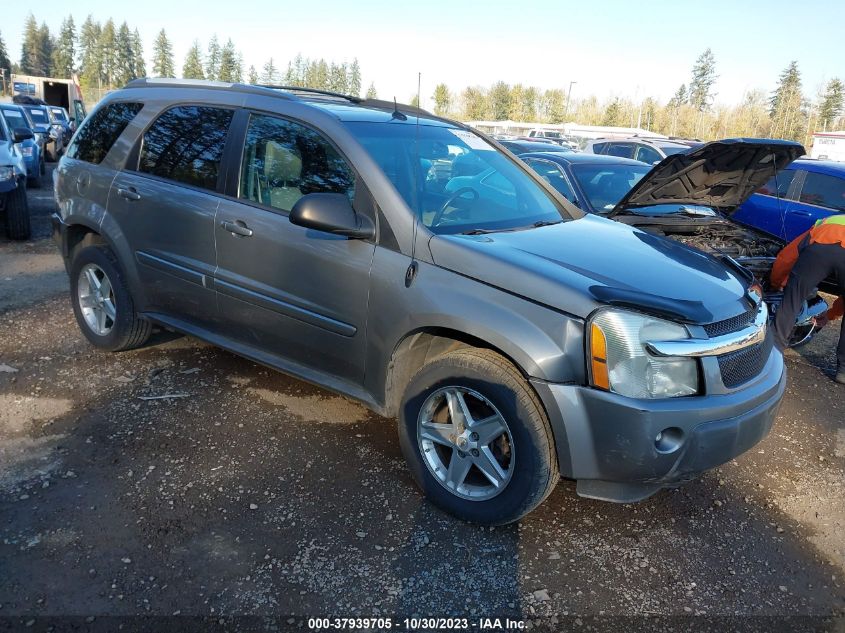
pixel 610 48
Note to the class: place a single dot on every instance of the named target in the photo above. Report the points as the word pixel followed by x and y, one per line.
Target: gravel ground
pixel 253 493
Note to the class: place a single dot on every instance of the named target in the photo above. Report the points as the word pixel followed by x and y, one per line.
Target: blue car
pixel 789 204
pixel 30 149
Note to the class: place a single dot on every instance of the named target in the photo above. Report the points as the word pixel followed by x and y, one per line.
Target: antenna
pixel 396 114
pixel 411 273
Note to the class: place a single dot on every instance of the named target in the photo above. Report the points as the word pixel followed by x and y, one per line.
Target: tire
pixel 43 167
pixel 123 328
pixel 491 386
pixel 36 181
pixel 17 214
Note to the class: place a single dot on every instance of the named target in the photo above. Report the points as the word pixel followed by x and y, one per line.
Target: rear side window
pixel 185 144
pixel 824 191
pixel 622 150
pixel 646 154
pixel 100 131
pixel 598 148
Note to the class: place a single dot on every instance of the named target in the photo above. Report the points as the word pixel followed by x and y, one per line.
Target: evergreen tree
pixel 192 68
pixel 499 101
pixel 337 78
pixel 372 93
pixel 5 63
pixel 231 68
pixel 353 84
pixel 442 99
pixel 90 62
pixel 30 53
pixel 269 73
pixel 124 56
pixel 414 101
pixel 139 65
pixel 64 52
pixel 703 78
pixel 45 50
pixel 108 53
pixel 832 102
pixel 163 56
pixel 786 105
pixel 679 98
pixel 613 113
pixel 212 59
pixel 252 75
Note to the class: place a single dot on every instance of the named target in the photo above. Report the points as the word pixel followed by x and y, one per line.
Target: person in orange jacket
pixel 810 258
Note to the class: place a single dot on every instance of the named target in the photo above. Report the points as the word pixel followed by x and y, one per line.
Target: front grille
pixel 730 325
pixel 742 365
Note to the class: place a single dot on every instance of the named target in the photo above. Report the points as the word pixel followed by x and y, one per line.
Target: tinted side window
pixel 186 144
pixel 99 131
pixel 647 154
pixel 779 185
pixel 598 148
pixel 622 150
pixel 284 161
pixel 824 191
pixel 551 174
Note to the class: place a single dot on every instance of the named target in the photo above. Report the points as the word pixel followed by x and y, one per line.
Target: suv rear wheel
pixel 102 302
pixel 476 437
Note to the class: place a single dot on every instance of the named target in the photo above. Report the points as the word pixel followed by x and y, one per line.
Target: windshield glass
pixel 59 114
pixel 39 116
pixel 455 180
pixel 604 185
pixel 14 119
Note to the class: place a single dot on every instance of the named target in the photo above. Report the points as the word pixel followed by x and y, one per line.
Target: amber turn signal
pixel 598 358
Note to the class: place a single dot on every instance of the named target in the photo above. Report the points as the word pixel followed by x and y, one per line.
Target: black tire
pixel 35 182
pixel 535 461
pixel 43 166
pixel 128 330
pixel 17 214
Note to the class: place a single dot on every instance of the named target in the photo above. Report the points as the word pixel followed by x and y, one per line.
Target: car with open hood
pixel 692 198
pixel 411 263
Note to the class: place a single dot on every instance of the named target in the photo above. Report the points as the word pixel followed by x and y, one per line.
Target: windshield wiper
pixel 536 225
pixel 480 231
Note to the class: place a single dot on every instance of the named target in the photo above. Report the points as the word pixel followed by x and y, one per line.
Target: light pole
pixel 568 95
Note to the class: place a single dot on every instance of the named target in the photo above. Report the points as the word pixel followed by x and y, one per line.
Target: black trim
pixel 171 268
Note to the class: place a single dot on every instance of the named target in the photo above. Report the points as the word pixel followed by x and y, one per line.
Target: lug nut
pixel 473 437
pixel 461 454
pixel 475 452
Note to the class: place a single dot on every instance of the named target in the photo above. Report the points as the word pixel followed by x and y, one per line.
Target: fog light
pixel 669 440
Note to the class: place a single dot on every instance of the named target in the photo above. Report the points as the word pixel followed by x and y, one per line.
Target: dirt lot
pixel 258 494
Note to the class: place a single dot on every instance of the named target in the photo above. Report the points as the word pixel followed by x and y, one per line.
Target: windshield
pixel 59 114
pixel 39 116
pixel 455 180
pixel 14 119
pixel 604 185
pixel 549 134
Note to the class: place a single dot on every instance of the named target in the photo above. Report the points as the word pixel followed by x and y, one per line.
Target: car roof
pixel 581 158
pixel 344 107
pixel 660 142
pixel 820 166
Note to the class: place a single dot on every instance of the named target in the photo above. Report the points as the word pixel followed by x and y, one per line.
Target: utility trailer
pixel 64 93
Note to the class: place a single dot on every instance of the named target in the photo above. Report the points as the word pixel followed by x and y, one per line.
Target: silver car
pixel 410 263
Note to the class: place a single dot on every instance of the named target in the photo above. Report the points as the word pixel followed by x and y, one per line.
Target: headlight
pixel 619 361
pixel 7 173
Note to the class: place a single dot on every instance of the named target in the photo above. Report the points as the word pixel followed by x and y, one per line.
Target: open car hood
pixel 720 175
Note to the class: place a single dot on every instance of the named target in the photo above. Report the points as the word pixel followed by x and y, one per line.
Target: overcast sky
pixel 627 48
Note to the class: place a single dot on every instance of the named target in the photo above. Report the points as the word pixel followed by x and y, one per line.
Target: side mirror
pixel 331 213
pixel 20 134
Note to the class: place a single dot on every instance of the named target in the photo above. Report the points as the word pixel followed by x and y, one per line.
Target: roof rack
pixel 315 91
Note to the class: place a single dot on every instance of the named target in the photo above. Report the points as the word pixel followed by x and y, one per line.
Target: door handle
pixel 803 214
pixel 129 194
pixel 237 227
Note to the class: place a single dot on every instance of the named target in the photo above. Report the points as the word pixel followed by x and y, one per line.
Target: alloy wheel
pixel 96 299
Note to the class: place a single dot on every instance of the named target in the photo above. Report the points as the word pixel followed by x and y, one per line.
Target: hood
pixel 720 175
pixel 576 266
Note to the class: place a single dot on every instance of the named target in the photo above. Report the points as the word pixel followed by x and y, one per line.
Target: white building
pixel 829 145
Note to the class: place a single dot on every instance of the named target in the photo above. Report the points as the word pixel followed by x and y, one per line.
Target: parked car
pixel 13 203
pixel 601 184
pixel 41 133
pixel 792 201
pixel 29 148
pixel 643 149
pixel 520 146
pixel 59 116
pixel 553 135
pixel 515 337
pixel 53 134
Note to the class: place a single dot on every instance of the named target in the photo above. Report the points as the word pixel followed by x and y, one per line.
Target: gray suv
pixel 408 262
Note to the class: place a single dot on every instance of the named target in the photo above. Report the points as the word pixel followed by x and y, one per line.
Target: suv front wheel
pixel 476 438
pixel 102 302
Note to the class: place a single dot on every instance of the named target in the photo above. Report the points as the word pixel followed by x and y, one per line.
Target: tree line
pixel 106 56
pixel 691 112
